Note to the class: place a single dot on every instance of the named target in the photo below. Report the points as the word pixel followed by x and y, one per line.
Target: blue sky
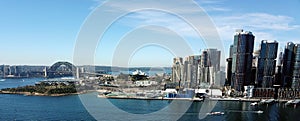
pixel 35 32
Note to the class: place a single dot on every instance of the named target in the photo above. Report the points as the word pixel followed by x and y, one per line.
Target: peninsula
pixel 45 89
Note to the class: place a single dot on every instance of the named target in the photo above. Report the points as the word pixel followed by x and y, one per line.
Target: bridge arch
pixel 56 65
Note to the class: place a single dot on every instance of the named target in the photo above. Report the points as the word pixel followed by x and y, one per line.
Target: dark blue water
pixel 20 107
pixel 8 83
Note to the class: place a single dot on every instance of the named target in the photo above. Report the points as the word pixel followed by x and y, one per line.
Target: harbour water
pixel 20 107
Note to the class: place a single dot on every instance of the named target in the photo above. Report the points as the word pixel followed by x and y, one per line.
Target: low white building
pixel 209 92
pixel 145 83
pixel 170 91
pixel 248 91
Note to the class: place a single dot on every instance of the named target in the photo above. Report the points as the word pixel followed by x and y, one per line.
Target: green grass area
pixel 45 89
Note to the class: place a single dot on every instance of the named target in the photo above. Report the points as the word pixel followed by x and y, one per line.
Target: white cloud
pixel 262 25
pixel 159 18
pixel 260 21
pixel 216 8
pixel 168 20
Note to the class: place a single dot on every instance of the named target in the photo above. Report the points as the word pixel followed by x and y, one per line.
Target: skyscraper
pixel 278 71
pixel 229 67
pixel 203 69
pixel 214 56
pixel 219 78
pixel 287 66
pixel 266 64
pixel 191 71
pixel 229 73
pixel 296 68
pixel 210 64
pixel 177 70
pixel 242 59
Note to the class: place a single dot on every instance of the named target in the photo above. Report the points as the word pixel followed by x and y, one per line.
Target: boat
pixel 254 104
pixel 269 101
pixel 292 103
pixel 138 72
pixel 215 113
pixel 289 102
pixel 2 80
pixel 259 111
pixel 262 101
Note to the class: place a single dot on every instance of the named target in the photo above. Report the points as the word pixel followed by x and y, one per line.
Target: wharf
pixel 146 98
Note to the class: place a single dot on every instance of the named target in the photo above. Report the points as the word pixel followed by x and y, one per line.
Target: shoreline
pixel 42 94
pixel 144 98
pixel 194 99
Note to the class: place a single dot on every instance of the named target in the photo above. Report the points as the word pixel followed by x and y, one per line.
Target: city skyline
pixel 37 34
pixel 149 60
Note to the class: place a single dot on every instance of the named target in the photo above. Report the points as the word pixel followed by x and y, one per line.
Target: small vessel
pixel 262 101
pixel 215 113
pixel 292 103
pixel 267 102
pixel 260 111
pixel 138 72
pixel 2 80
pixel 254 104
pixel 289 102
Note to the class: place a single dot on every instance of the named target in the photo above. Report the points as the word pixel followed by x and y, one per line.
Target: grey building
pixel 214 56
pixel 177 70
pixel 219 79
pixel 191 71
pixel 209 65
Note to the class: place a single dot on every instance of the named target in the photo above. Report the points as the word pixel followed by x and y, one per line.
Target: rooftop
pixel 241 31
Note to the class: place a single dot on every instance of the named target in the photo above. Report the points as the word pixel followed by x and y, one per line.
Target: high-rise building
pixel 209 65
pixel 278 71
pixel 242 59
pixel 204 59
pixel 296 67
pixel 266 64
pixel 197 69
pixel 254 67
pixel 230 51
pixel 203 69
pixel 177 70
pixel 219 79
pixel 191 71
pixel 214 56
pixel 229 73
pixel 229 67
pixel 287 66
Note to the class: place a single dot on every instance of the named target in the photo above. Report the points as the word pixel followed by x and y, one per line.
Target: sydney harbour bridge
pixel 67 69
pixel 60 69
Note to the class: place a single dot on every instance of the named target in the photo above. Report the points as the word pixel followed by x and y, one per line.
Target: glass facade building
pixel 266 64
pixel 242 59
pixel 296 68
pixel 287 66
